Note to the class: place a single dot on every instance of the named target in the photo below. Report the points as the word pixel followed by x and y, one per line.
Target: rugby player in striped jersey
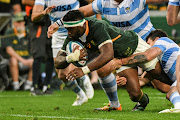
pixel 168 53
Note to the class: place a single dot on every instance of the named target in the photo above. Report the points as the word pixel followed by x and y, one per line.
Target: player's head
pixel 74 22
pixel 73 15
pixel 154 35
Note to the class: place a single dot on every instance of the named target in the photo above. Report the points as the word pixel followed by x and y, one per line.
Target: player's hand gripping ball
pixel 71 46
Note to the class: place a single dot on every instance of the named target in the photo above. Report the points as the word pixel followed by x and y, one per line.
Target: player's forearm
pixel 171 20
pixel 138 58
pixel 28 2
pixel 38 13
pixel 87 10
pixel 172 15
pixel 148 55
pixel 107 54
pixel 36 16
pixel 100 61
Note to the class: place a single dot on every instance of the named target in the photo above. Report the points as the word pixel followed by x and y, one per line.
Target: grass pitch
pixel 21 106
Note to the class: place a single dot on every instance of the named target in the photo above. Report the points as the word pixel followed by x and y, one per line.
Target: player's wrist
pixel 59 22
pixel 73 56
pixel 86 70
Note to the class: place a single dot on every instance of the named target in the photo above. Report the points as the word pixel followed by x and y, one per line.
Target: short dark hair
pixel 156 33
pixel 73 15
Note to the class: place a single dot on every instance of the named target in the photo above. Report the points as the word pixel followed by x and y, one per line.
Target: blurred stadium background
pixel 22 106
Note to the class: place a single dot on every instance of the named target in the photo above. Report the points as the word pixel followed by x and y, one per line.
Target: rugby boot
pixel 172 110
pixel 140 106
pixel 89 90
pixel 80 100
pixel 108 108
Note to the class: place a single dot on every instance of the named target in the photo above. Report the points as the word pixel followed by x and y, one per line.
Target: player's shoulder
pixel 165 40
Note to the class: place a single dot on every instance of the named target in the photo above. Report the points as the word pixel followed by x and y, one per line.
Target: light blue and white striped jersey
pixel 63 6
pixel 174 2
pixel 128 15
pixel 168 57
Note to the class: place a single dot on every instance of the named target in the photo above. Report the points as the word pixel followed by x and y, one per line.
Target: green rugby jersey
pixel 99 31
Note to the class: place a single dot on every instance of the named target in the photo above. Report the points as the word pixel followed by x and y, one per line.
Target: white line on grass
pixel 9 96
pixel 19 115
pixel 157 97
pixel 156 93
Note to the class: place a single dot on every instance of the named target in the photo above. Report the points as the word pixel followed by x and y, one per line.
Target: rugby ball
pixel 70 48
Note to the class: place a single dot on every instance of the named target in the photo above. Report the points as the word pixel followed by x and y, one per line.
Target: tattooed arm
pixel 148 55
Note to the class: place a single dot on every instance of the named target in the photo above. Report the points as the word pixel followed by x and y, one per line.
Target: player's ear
pixel 156 38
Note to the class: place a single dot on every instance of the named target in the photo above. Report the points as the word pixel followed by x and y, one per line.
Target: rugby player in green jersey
pixel 112 43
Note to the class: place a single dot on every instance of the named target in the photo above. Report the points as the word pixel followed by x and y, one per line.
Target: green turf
pixel 21 106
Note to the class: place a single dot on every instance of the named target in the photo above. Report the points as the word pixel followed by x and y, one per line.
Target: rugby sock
pixel 83 79
pixel 110 87
pixel 175 100
pixel 86 84
pixel 75 87
pixel 80 80
pixel 143 100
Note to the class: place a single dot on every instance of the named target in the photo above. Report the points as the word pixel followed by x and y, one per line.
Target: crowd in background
pixel 25 46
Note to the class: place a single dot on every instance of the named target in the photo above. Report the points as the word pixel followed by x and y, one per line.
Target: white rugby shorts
pixel 147 66
pixel 57 43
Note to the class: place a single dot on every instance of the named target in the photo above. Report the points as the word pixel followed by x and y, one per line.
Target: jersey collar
pixel 83 37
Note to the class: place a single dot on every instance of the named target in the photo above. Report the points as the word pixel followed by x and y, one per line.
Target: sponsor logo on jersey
pixel 93 43
pixel 121 24
pixel 128 51
pixel 127 9
pixel 62 8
